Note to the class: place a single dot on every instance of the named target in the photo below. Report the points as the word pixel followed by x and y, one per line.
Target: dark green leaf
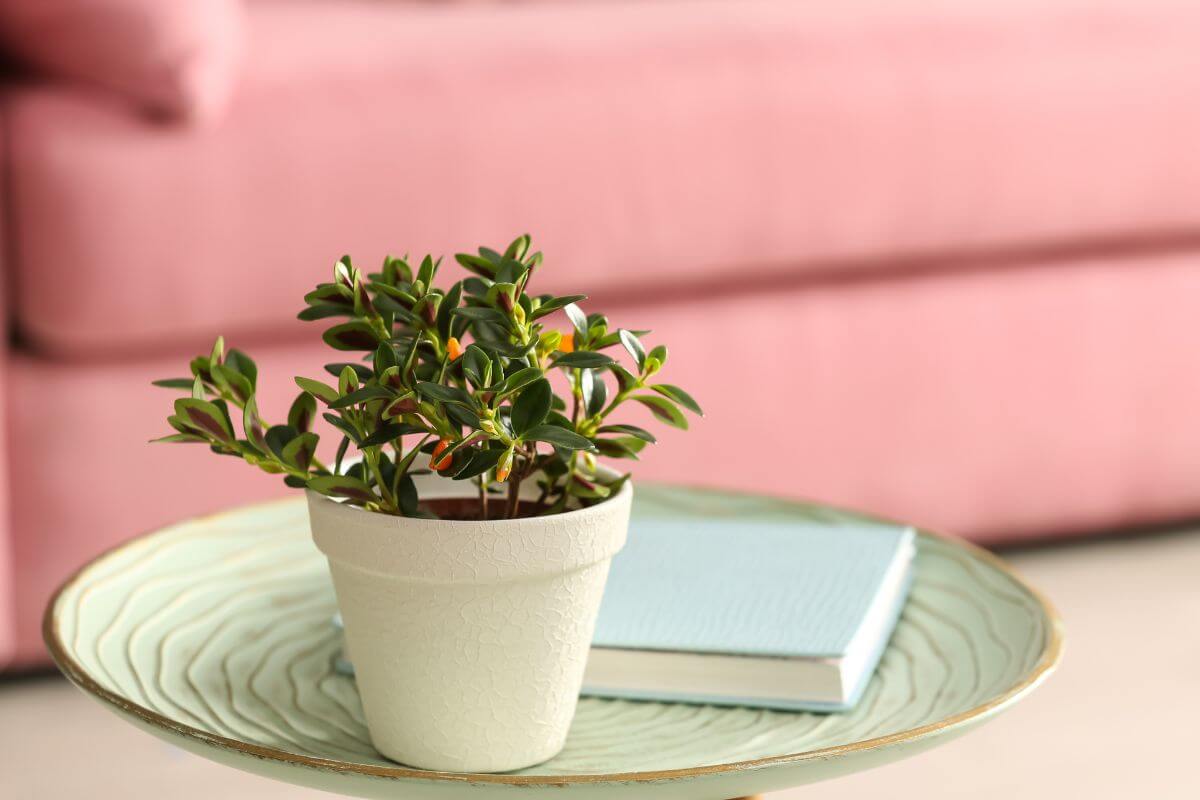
pixel 559 437
pixel 363 373
pixel 481 314
pixel 679 396
pixel 480 462
pixel 303 411
pixel 299 452
pixel 406 496
pixel 531 406
pixel 174 383
pixel 204 416
pixel 462 416
pixel 582 359
pixel 552 304
pixel 233 382
pixel 313 313
pixel 361 396
pixel 279 436
pixel 351 336
pixel 342 425
pixel 445 394
pixel 629 430
pixel 387 433
pixel 449 304
pixel 618 448
pixel 343 446
pixel 254 427
pixel 517 380
pixel 480 266
pixel 345 486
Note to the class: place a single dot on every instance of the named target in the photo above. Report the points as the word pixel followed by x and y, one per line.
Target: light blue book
pixel 784 615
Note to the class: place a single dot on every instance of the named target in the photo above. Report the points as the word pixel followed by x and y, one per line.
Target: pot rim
pixel 575 513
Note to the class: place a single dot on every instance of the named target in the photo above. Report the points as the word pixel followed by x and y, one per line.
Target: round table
pixel 214 634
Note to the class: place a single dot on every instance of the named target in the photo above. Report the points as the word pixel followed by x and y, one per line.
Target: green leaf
pixel 629 430
pixel 578 319
pixel 552 304
pixel 389 432
pixel 583 359
pixel 205 417
pixel 279 436
pixel 679 396
pixel 314 313
pixel 299 452
pixel 462 416
pixel 480 266
pixel 174 383
pixel 406 496
pixel 618 448
pixel 340 456
pixel 233 382
pixel 634 346
pixel 354 335
pixel 332 293
pixel 582 487
pixel 626 380
pixel 303 411
pixel 659 353
pixel 317 389
pixel 449 304
pixel 560 437
pixel 445 394
pixel 363 373
pixel 480 462
pixel 242 363
pixel 181 437
pixel 517 380
pixel 481 314
pixel 664 409
pixel 531 406
pixel 594 390
pixel 254 427
pixel 361 396
pixel 343 426
pixel 344 486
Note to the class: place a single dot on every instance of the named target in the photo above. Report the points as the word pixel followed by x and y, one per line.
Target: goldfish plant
pixel 473 381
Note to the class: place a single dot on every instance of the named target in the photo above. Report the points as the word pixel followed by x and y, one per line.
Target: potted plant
pixel 467 524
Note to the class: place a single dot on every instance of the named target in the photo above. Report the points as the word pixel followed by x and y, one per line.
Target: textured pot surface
pixel 469 637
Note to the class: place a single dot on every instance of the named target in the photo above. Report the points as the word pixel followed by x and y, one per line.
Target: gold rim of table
pixel 1051 655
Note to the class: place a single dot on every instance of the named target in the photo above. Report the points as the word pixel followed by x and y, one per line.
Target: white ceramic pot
pixel 469 638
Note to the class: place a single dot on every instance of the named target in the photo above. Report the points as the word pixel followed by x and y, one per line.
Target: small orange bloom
pixel 439 464
pixel 502 472
pixel 567 345
pixel 453 348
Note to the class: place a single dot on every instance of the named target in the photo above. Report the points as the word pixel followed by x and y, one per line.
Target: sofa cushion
pixel 644 144
pixel 176 57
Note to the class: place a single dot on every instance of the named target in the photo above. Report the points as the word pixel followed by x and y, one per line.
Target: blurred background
pixel 944 256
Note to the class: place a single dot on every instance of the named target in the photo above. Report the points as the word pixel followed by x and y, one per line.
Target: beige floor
pixel 1117 721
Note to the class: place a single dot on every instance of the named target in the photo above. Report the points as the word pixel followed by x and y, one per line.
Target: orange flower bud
pixel 440 463
pixel 505 466
pixel 453 348
pixel 567 345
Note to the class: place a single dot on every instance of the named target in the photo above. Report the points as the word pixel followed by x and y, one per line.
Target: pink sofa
pixel 943 255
